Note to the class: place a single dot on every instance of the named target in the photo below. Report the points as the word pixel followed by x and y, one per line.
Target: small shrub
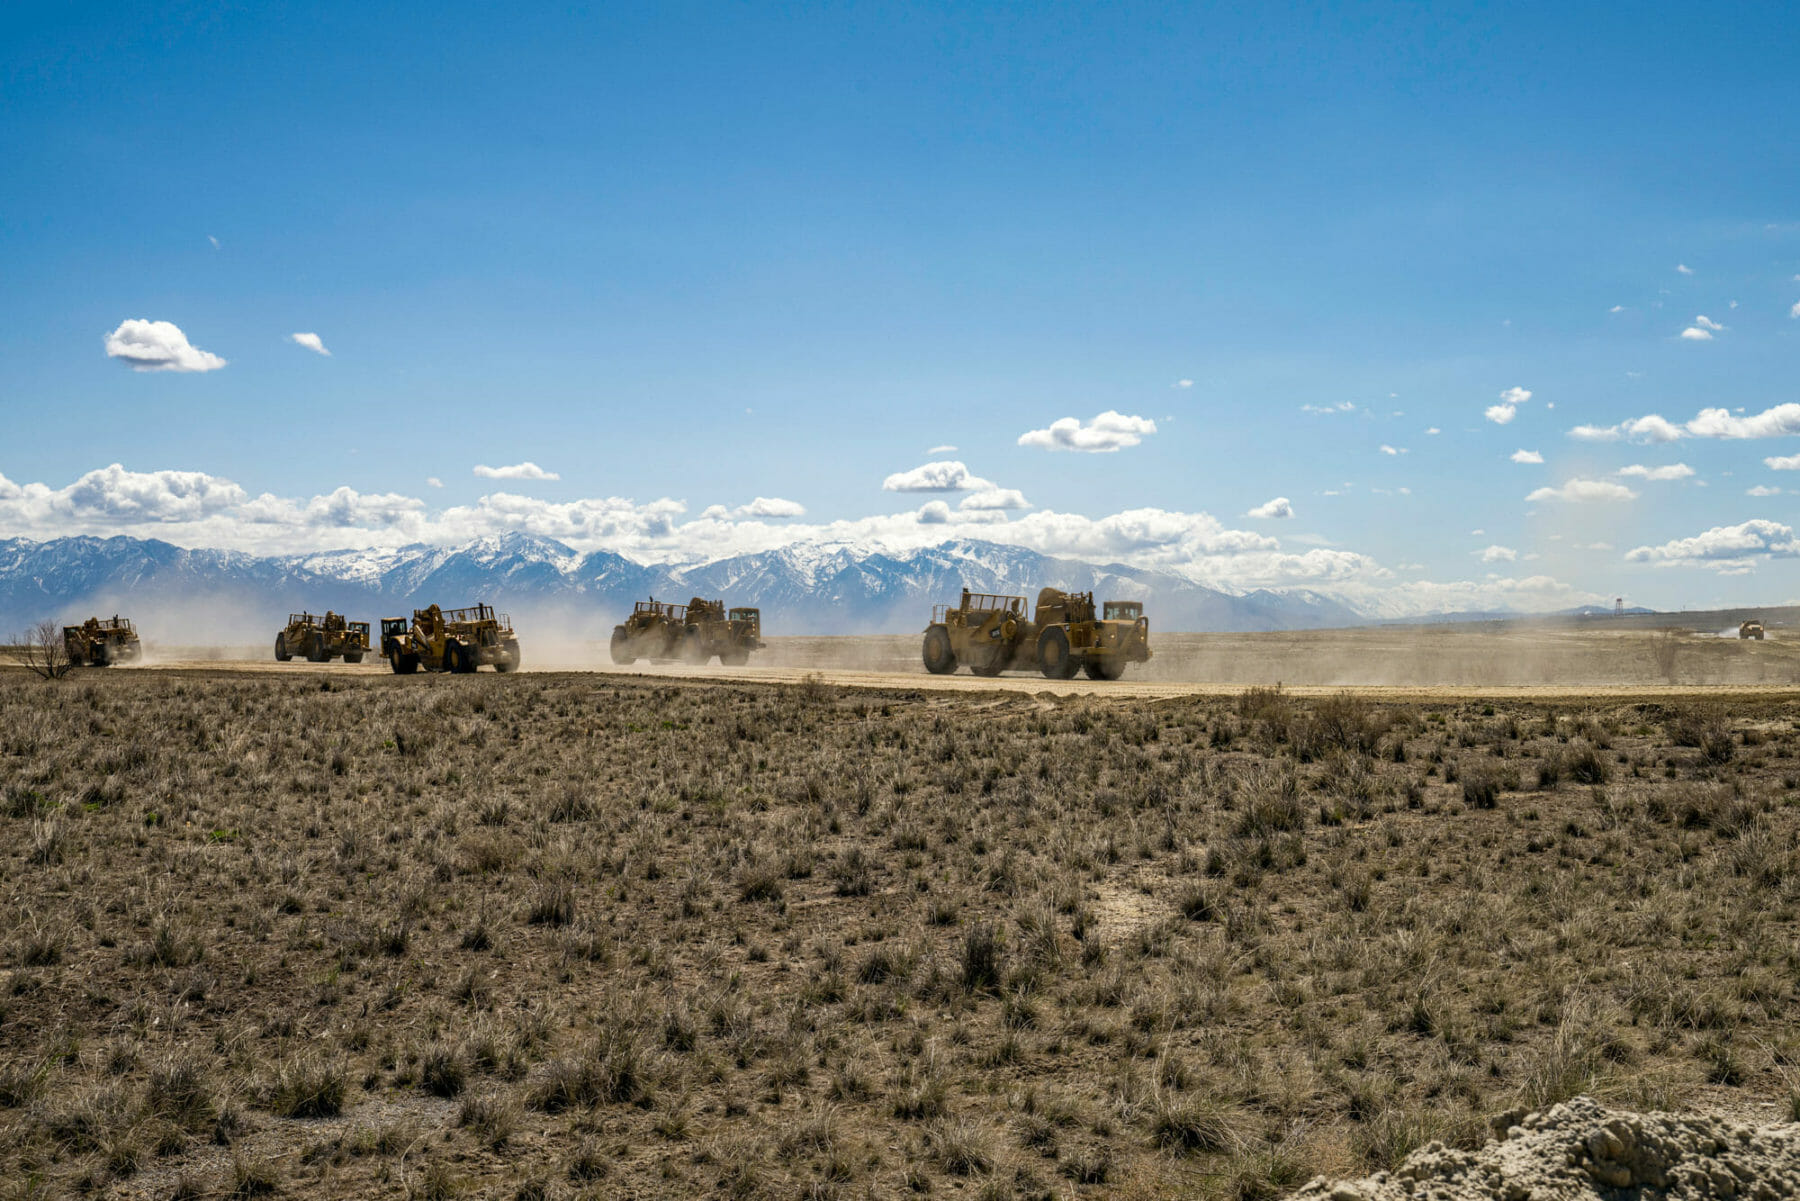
pixel 308 1087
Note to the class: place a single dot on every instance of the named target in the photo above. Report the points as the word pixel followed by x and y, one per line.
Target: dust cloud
pixel 211 628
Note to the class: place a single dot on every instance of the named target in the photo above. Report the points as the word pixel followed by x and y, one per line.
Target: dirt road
pixel 1030 684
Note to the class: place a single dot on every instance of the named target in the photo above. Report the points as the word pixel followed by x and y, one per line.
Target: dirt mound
pixel 1581 1151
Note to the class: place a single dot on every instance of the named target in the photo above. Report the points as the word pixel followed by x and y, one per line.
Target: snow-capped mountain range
pixel 201 596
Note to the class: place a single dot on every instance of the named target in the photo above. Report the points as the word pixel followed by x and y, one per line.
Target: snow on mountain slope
pixel 829 588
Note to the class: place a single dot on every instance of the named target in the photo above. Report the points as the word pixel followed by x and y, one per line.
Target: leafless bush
pixel 41 650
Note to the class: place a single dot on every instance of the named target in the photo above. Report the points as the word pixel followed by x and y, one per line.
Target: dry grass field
pixel 326 933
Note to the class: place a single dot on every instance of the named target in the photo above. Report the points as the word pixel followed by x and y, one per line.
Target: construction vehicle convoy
pixel 100 642
pixel 1751 629
pixel 691 633
pixel 992 633
pixel 322 639
pixel 455 640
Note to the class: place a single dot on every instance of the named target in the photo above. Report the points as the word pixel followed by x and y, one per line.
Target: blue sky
pixel 688 256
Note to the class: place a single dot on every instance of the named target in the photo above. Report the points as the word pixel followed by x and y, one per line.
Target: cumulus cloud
pixel 1584 490
pixel 1723 547
pixel 434 481
pixel 994 500
pixel 1499 554
pixel 341 509
pixel 117 495
pixel 1527 456
pixel 1107 432
pixel 949 475
pixel 1783 462
pixel 1763 490
pixel 1783 420
pixel 1281 506
pixel 158 346
pixel 1795 311
pixel 1434 431
pixel 1672 471
pixel 771 506
pixel 518 471
pixel 1184 383
pixel 1508 408
pixel 1684 268
pixel 1389 450
pixel 1694 333
pixel 312 342
pixel 1705 322
pixel 194 509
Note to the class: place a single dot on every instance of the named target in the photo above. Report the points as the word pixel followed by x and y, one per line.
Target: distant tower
pixel 1619 607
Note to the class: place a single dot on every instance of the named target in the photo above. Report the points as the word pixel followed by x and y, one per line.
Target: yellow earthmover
pixel 988 632
pixel 322 639
pixel 101 642
pixel 457 640
pixel 1071 637
pixel 654 631
pixel 692 633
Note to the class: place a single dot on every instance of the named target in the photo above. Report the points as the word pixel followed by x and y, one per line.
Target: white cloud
pixel 1434 431
pixel 194 509
pixel 115 495
pixel 1684 268
pixel 1342 406
pixel 158 346
pixel 341 509
pixel 1763 490
pixel 1527 456
pixel 1672 471
pixel 518 471
pixel 1617 308
pixel 1107 432
pixel 994 500
pixel 1584 490
pixel 1795 311
pixel 1783 420
pixel 1184 383
pixel 1723 547
pixel 1508 408
pixel 1694 333
pixel 1705 322
pixel 1499 554
pixel 1281 506
pixel 312 342
pixel 1389 450
pixel 942 476
pixel 1783 462
pixel 434 481
pixel 941 450
pixel 771 506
